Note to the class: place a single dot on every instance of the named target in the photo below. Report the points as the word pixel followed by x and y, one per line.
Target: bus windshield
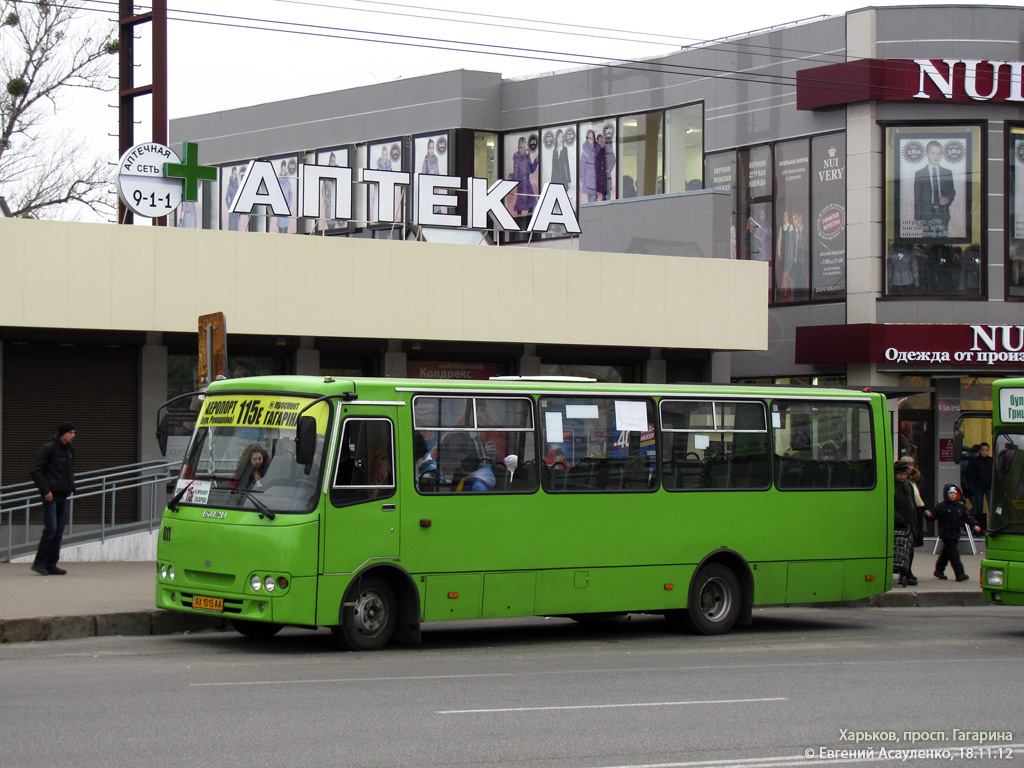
pixel 1008 486
pixel 243 456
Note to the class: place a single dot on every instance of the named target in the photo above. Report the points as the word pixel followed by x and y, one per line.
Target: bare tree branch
pixel 46 49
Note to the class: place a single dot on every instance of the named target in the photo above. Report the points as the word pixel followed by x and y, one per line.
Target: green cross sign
pixel 191 171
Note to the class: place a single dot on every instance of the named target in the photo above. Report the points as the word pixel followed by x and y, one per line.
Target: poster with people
pixel 386 156
pixel 522 165
pixel 286 168
pixel 792 274
pixel 231 178
pixel 334 156
pixel 828 216
pixel 933 193
pixel 558 158
pixel 189 214
pixel 430 158
pixel 597 166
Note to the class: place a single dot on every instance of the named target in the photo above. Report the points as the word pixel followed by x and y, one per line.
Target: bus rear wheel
pixel 368 616
pixel 715 600
pixel 257 630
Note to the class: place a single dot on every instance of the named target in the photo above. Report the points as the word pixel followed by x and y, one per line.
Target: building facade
pixel 863 166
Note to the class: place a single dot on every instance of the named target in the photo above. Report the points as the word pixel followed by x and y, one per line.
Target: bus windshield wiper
pixel 252 496
pixel 173 503
pixel 1001 528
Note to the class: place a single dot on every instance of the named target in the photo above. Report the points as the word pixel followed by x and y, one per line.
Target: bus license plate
pixel 208 603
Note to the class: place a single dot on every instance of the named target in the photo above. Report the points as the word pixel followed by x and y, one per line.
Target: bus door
pixel 361 520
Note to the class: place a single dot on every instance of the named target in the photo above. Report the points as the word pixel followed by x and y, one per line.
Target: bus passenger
pixel 252 466
pixel 424 462
pixel 478 479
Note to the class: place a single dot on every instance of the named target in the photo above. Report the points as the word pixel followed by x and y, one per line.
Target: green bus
pixel 1002 568
pixel 380 503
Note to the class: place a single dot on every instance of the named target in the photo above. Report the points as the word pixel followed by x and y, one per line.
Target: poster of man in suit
pixel 933 190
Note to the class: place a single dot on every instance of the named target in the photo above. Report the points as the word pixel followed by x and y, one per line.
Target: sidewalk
pixel 97 599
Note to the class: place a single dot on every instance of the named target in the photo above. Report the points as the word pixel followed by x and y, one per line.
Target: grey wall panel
pixel 782 325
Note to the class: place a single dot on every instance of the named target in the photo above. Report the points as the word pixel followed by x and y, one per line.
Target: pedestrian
pixel 951 515
pixel 921 510
pixel 979 472
pixel 53 472
pixel 903 524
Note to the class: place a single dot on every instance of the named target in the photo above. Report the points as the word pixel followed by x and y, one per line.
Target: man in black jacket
pixel 53 472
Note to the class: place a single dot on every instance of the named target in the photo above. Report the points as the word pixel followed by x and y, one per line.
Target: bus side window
pixel 365 468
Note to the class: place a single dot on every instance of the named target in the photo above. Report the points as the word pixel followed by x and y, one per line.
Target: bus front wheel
pixel 368 616
pixel 715 600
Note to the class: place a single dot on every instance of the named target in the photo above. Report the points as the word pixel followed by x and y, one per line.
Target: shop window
pixel 933 211
pixel 641 159
pixel 684 148
pixel 791 270
pixel 485 156
pixel 1015 228
pixel 754 188
pixel 615 374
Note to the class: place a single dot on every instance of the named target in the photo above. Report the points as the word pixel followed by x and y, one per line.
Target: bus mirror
pixel 161 435
pixel 958 444
pixel 305 440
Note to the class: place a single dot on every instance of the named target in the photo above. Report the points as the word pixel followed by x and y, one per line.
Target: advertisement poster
pixel 337 156
pixel 559 158
pixel 828 220
pixel 597 161
pixel 430 158
pixel 386 156
pixel 933 193
pixel 287 169
pixel 793 239
pixel 231 177
pixel 522 165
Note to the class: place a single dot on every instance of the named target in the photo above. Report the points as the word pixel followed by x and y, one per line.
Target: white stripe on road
pixel 604 706
pixel 787 761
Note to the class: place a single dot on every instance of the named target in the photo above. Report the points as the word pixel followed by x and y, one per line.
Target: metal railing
pixel 149 477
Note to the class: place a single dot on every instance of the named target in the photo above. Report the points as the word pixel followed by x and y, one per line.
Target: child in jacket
pixel 951 515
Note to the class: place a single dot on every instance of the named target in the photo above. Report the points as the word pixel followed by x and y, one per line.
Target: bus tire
pixel 715 600
pixel 256 630
pixel 368 616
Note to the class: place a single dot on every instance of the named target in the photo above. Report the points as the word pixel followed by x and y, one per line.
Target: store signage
pixel 912 346
pixel 1011 405
pixel 435 195
pixel 939 80
pixel 152 180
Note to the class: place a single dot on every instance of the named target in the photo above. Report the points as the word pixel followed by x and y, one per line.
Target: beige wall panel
pixel 332 288
pixel 47 283
pixel 215 276
pixel 583 294
pixel 256 285
pixel 174 278
pixel 550 281
pixel 515 311
pixel 145 278
pixel 90 269
pixel 295 274
pixel 12 284
pixel 131 284
pixel 446 284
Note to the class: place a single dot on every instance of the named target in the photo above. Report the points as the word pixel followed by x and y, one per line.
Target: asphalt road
pixel 530 693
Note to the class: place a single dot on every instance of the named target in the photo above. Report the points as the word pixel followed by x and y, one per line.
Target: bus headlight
pixel 268 583
pixel 255 583
pixel 163 572
pixel 994 577
pixel 170 572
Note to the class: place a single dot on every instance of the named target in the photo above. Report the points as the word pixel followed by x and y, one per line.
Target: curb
pixel 158 622
pixel 134 623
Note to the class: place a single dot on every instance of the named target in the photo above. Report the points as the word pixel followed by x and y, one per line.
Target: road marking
pixel 605 706
pixel 797 760
pixel 350 680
